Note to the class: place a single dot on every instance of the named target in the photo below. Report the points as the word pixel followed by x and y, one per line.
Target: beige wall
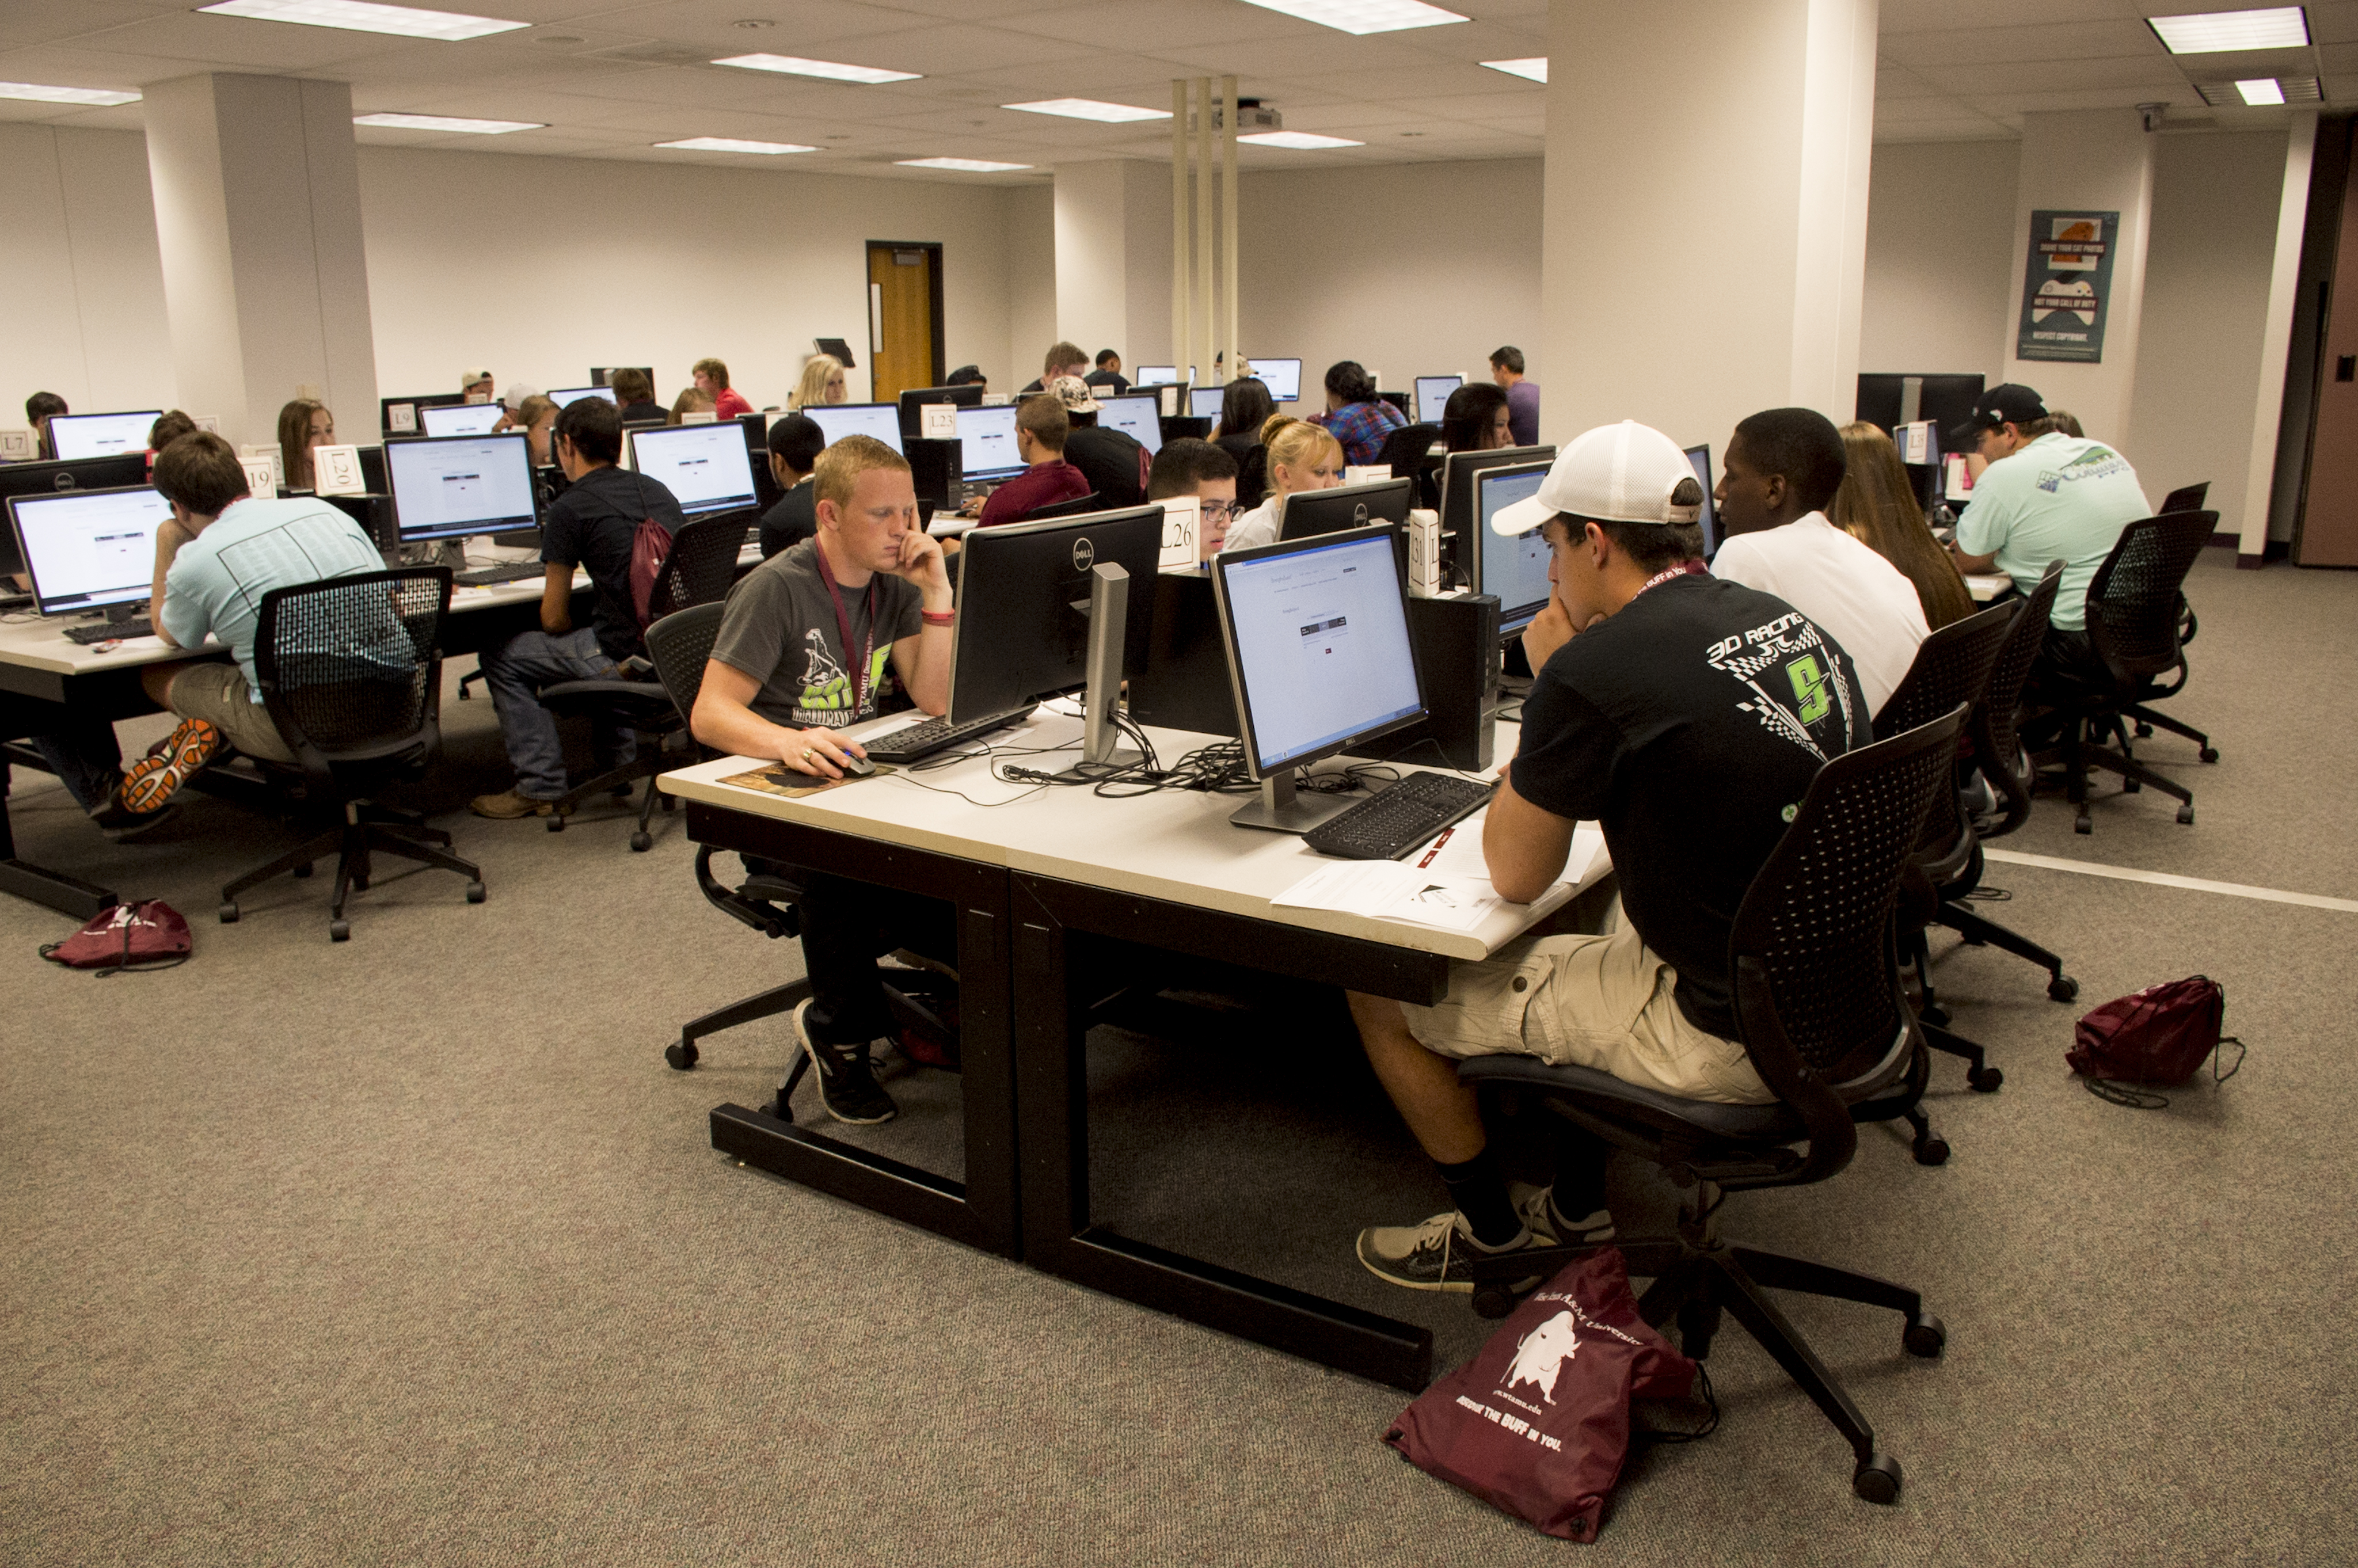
pixel 1939 228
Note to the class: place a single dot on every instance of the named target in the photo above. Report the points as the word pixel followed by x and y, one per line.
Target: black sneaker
pixel 1432 1256
pixel 846 1083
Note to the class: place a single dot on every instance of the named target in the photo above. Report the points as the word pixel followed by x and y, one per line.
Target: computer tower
pixel 934 468
pixel 374 515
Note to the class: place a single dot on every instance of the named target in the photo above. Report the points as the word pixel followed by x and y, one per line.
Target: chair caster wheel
pixel 1984 1080
pixel 476 893
pixel 1936 1015
pixel 2062 988
pixel 556 822
pixel 2080 824
pixel 229 912
pixel 1877 1480
pixel 643 843
pixel 339 931
pixel 681 1054
pixel 1924 1336
pixel 2186 816
pixel 304 870
pixel 1493 1301
pixel 2208 753
pixel 1931 1150
pixel 2131 786
pixel 2144 731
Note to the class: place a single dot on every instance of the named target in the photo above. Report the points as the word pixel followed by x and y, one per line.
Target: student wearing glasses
pixel 1189 467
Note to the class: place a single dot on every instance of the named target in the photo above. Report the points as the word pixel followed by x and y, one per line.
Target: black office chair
pixel 351 673
pixel 1252 479
pixel 698 569
pixel 1953 665
pixel 1404 449
pixel 1079 506
pixel 2186 498
pixel 1821 1013
pixel 2135 638
pixel 768 900
pixel 1997 756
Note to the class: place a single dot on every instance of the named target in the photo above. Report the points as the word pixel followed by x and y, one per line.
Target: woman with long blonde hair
pixel 1302 455
pixel 822 384
pixel 1877 506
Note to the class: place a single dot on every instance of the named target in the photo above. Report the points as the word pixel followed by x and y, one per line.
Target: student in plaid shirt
pixel 1355 414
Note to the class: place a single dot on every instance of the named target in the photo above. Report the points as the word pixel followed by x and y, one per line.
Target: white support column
pixel 1181 294
pixel 257 183
pixel 1227 228
pixel 2275 340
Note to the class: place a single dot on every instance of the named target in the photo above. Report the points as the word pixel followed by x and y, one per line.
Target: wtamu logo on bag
pixel 1540 1353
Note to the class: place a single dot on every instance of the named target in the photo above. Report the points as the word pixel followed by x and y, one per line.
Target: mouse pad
pixel 767 781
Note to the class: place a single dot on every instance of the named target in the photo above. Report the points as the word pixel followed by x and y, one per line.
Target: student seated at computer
pixel 1189 467
pixel 811 643
pixel 536 415
pixel 169 426
pixel 1245 407
pixel 1359 418
pixel 968 376
pixel 1475 420
pixel 217 556
pixel 592 525
pixel 634 394
pixel 796 442
pixel 1522 393
pixel 39 409
pixel 475 385
pixel 823 384
pixel 303 423
pixel 1876 505
pixel 712 379
pixel 1113 461
pixel 691 400
pixel 1042 429
pixel 1779 473
pixel 1644 724
pixel 1300 456
pixel 1108 372
pixel 1062 358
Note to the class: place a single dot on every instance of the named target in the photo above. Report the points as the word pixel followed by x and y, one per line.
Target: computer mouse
pixel 857 767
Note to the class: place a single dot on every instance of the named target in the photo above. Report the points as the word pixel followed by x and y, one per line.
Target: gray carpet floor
pixel 412 1249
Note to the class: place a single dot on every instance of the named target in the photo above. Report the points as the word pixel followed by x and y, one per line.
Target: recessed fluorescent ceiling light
pixel 34 92
pixel 359 16
pixel 821 67
pixel 445 123
pixel 962 165
pixel 1090 109
pixel 731 145
pixel 2261 90
pixel 1300 141
pixel 1363 16
pixel 2212 32
pixel 1531 69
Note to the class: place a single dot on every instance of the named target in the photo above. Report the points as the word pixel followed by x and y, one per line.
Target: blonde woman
pixel 822 384
pixel 1877 506
pixel 1302 455
pixel 536 418
pixel 691 400
pixel 303 425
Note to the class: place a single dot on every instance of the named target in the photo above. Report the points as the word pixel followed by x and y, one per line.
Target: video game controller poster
pixel 2066 283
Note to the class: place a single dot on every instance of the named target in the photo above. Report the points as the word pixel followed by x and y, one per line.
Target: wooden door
pixel 905 294
pixel 2326 535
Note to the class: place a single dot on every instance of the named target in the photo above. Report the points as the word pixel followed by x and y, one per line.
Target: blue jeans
pixel 515 673
pixel 86 759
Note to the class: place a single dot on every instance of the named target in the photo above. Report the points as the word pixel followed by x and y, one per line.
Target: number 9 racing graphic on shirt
pixel 1814 669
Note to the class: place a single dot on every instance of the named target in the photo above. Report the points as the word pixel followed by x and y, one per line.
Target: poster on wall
pixel 2067 284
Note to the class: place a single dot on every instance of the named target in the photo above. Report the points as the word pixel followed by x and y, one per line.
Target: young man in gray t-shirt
pixel 805 645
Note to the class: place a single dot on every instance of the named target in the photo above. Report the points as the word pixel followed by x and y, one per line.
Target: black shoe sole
pixel 818 1066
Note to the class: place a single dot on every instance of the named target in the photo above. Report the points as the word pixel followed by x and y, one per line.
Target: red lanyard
pixel 843 625
pixel 1667 573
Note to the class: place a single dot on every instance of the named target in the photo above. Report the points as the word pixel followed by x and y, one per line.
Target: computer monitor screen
pixel 705 467
pixel 462 418
pixel 1700 456
pixel 1513 571
pixel 1023 600
pixel 1890 399
pixel 1204 402
pixel 1433 396
pixel 1318 645
pixel 1309 511
pixel 1283 377
pixel 89 548
pixel 1457 471
pixel 987 443
pixel 575 395
pixel 457 485
pixel 1140 418
pixel 1160 375
pixel 101 435
pixel 881 420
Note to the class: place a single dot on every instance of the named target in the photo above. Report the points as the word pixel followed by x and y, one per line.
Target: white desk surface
pixel 1987 585
pixel 1174 844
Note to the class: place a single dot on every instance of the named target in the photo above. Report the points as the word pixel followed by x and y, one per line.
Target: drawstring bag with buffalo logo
pixel 127 937
pixel 1538 1423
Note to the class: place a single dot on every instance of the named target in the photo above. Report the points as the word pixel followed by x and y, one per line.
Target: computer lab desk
pixel 1033 880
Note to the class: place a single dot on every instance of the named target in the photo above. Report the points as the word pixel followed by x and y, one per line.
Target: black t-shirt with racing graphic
pixel 1689 726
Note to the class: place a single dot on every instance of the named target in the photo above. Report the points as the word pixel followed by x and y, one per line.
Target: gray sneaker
pixel 1432 1256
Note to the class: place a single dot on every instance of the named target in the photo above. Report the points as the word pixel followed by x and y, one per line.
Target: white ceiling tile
pixel 1993 46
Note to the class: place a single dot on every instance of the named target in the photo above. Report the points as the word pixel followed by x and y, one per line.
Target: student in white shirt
pixel 1778 476
pixel 1302 455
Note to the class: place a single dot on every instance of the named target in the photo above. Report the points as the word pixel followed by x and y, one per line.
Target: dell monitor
pixel 1160 375
pixel 1309 511
pixel 1699 458
pixel 707 468
pixel 451 487
pixel 90 549
pixel 987 451
pixel 1319 659
pixel 1457 471
pixel 462 418
pixel 881 420
pixel 1283 377
pixel 76 436
pixel 1433 396
pixel 1513 571
pixel 576 394
pixel 1139 418
pixel 1889 399
pixel 604 375
pixel 53 478
pixel 1204 402
pixel 912 424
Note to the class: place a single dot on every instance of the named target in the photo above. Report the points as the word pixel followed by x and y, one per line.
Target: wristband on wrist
pixel 940 617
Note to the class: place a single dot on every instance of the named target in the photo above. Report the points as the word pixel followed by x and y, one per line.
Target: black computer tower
pixel 933 467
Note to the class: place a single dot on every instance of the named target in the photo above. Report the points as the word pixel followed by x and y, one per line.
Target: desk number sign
pixel 1183 527
pixel 336 470
pixel 939 421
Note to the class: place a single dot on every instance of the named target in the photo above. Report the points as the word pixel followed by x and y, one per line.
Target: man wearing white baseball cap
pixel 1687 717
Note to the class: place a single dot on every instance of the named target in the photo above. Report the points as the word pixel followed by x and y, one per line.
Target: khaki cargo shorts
pixel 217 693
pixel 1586 1001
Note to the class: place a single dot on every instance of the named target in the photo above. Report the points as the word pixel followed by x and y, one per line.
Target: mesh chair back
pixel 1404 450
pixel 1952 665
pixel 701 563
pixel 680 645
pixel 1817 917
pixel 2132 603
pixel 1992 727
pixel 351 666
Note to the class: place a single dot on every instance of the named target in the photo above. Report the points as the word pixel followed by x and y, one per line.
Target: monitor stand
pixel 123 614
pixel 1281 809
pixel 1109 612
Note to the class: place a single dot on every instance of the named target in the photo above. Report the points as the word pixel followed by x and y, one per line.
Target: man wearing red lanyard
pixel 813 640
pixel 1687 719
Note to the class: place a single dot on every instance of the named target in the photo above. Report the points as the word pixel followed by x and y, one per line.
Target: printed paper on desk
pixel 938 421
pixel 1183 523
pixel 1386 890
pixel 1457 853
pixel 336 470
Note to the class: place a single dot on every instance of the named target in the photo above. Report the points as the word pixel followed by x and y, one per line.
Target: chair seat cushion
pixel 633 696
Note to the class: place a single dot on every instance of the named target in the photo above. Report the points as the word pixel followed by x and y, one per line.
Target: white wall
pixel 1030 288
pixel 1939 232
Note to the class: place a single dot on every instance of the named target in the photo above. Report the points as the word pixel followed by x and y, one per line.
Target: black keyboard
pixel 923 740
pixel 1409 813
pixel 99 632
pixel 485 576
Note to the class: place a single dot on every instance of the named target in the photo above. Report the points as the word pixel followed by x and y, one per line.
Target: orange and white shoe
pixel 151 780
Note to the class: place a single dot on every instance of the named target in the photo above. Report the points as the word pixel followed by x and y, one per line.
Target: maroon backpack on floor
pixel 2159 1035
pixel 149 935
